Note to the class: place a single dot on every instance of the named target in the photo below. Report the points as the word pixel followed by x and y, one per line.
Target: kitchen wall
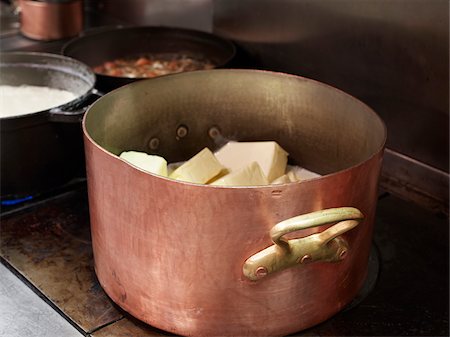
pixel 195 14
pixel 391 54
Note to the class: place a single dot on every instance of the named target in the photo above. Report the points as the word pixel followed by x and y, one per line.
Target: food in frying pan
pixel 152 65
pixel 235 164
pixel 26 99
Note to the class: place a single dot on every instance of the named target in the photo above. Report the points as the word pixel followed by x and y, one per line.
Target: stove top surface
pixel 47 244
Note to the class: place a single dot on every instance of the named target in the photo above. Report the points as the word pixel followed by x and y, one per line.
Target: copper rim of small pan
pixel 50 20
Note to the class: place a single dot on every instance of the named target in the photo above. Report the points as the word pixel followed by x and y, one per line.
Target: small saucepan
pixel 108 45
pixel 43 149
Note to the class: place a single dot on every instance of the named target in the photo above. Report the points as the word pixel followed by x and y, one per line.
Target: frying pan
pixel 96 47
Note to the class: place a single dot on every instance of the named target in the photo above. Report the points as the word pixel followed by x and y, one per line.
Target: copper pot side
pixel 42 20
pixel 172 253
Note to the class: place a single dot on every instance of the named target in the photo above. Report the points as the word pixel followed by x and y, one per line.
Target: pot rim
pixel 329 175
pixel 80 98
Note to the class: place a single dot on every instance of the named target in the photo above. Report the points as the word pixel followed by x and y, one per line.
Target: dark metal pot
pixel 96 47
pixel 202 260
pixel 42 150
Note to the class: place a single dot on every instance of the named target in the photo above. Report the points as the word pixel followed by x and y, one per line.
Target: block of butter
pixel 268 154
pixel 150 163
pixel 199 169
pixel 289 177
pixel 250 175
pixel 300 173
pixel 173 166
pixel 295 173
pixel 284 179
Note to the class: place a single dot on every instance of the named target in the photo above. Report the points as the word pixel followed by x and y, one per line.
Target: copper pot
pixel 51 19
pixel 207 261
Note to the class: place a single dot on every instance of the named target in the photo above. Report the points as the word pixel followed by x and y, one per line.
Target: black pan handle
pixel 75 114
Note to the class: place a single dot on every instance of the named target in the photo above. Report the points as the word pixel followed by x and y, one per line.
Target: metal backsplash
pixel 194 14
pixel 391 54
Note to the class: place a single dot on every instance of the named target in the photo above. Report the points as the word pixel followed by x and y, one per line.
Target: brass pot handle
pixel 325 246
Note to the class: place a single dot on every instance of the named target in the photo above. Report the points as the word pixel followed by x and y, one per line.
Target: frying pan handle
pixel 325 246
pixel 74 115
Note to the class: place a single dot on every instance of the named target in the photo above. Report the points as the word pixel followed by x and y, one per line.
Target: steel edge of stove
pixel 39 293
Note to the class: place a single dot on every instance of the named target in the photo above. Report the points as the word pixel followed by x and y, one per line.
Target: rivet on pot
pixel 182 131
pixel 276 193
pixel 214 132
pixel 261 271
pixel 304 259
pixel 153 144
pixel 343 254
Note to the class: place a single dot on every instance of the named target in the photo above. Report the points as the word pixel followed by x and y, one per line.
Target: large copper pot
pixel 202 260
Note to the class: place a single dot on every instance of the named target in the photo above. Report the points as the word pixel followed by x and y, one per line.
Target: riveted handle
pixel 325 246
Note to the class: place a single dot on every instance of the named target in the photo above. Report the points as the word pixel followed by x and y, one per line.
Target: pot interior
pixel 322 128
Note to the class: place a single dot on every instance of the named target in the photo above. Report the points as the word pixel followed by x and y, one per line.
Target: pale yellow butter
pixel 173 166
pixel 295 173
pixel 199 169
pixel 251 175
pixel 150 163
pixel 284 179
pixel 300 173
pixel 270 156
pixel 289 177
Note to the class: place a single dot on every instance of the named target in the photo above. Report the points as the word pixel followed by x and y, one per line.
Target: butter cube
pixel 300 173
pixel 173 166
pixel 295 173
pixel 199 169
pixel 150 163
pixel 284 179
pixel 289 177
pixel 251 175
pixel 292 176
pixel 268 154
